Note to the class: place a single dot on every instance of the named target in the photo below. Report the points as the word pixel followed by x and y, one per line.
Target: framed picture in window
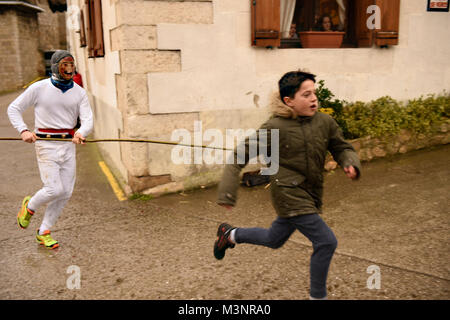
pixel 438 5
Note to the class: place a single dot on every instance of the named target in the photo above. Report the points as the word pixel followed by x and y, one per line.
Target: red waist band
pixel 69 131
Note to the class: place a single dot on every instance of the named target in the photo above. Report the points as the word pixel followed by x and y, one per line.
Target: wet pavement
pixel 396 220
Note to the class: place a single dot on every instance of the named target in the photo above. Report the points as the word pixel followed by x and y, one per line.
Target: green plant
pixel 384 116
pixel 381 117
pixel 141 197
pixel 422 113
pixel 334 107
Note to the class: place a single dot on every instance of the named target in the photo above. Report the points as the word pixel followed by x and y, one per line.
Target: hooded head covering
pixel 57 79
pixel 55 59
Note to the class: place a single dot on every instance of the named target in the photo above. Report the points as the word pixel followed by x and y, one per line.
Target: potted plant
pixel 321 39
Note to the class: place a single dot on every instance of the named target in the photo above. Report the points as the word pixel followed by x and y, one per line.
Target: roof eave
pixel 24 4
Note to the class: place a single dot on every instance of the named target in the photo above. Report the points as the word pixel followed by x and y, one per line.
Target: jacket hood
pixel 278 108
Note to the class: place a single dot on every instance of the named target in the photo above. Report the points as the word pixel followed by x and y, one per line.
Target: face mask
pixel 66 68
pixel 62 66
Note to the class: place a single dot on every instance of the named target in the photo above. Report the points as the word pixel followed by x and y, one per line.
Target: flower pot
pixel 321 39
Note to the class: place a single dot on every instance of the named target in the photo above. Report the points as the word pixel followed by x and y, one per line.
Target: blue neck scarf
pixel 63 86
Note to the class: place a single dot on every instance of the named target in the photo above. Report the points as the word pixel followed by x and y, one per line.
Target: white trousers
pixel 57 167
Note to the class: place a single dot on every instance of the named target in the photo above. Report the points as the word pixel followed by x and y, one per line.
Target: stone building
pixel 154 66
pixel 29 32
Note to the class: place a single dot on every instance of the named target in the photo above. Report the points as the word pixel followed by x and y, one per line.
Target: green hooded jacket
pixel 297 186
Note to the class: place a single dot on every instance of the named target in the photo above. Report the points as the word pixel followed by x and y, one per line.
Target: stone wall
pixel 373 148
pixel 31 59
pixel 9 58
pixel 20 60
pixel 52 28
pixel 25 34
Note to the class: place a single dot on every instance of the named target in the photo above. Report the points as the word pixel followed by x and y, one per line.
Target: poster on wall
pixel 438 5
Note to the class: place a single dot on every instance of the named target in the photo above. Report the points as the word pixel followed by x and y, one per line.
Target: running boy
pixel 57 102
pixel 305 135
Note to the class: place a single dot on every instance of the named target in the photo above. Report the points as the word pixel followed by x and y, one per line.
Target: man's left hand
pixel 78 138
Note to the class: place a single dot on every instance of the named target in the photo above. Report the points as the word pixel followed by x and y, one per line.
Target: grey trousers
pixel 311 226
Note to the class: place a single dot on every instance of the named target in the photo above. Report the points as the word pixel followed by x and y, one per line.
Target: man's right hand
pixel 28 136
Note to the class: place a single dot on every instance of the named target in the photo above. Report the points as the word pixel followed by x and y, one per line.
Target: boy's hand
pixel 28 136
pixel 226 206
pixel 78 138
pixel 351 172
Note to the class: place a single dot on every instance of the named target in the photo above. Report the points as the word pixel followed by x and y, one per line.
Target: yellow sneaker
pixel 46 239
pixel 25 214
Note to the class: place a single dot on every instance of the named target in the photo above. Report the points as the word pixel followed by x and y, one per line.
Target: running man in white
pixel 58 102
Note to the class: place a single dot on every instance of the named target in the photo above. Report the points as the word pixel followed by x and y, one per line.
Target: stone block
pixel 161 125
pixel 126 37
pixel 392 147
pixel 378 152
pixel 146 61
pixel 446 139
pixel 132 93
pixel 366 154
pixel 138 184
pixel 134 157
pixel 404 136
pixel 403 149
pixel 134 12
pixel 437 139
pixel 202 179
pixel 171 187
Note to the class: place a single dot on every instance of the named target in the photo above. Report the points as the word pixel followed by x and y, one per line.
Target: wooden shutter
pixel 99 47
pixel 95 29
pixel 265 23
pixel 390 16
pixel 364 36
pixel 82 30
pixel 90 28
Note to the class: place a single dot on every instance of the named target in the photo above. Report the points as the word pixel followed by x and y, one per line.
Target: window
pixel 272 21
pixel 95 29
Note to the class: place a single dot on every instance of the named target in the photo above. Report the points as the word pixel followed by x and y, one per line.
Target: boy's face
pixel 305 101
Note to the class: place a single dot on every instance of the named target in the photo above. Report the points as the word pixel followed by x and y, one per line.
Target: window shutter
pixel 390 16
pixel 95 29
pixel 90 28
pixel 82 30
pixel 98 25
pixel 364 36
pixel 265 23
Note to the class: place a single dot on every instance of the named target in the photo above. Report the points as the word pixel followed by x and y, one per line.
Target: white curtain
pixel 341 14
pixel 287 8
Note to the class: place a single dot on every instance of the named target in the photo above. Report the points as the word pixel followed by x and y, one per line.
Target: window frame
pixel 266 31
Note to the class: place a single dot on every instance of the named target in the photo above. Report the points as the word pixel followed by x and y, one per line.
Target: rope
pixel 124 140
